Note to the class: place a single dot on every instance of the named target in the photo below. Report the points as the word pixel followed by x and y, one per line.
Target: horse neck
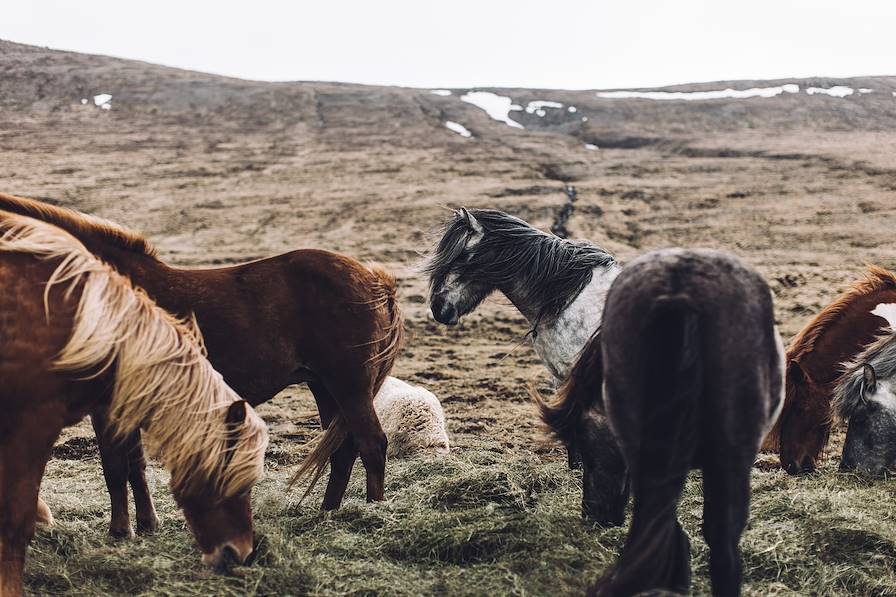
pixel 559 341
pixel 168 287
pixel 843 337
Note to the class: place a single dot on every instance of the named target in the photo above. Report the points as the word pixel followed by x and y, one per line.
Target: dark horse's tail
pixel 384 350
pixel 656 554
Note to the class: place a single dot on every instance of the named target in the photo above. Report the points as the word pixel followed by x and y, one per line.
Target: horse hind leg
pixel 343 459
pixel 726 508
pixel 353 394
pixel 341 463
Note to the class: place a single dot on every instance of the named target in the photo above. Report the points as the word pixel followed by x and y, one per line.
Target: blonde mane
pixel 163 383
pixel 876 278
pixel 78 224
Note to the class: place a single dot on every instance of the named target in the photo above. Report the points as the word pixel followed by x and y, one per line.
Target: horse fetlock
pixel 147 525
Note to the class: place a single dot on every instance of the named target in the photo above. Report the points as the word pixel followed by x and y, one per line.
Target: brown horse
pixel 305 316
pixel 77 336
pixel 814 360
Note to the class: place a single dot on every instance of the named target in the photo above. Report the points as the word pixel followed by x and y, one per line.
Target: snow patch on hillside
pixel 835 91
pixel 458 128
pixel 537 107
pixel 702 95
pixel 103 100
pixel 497 106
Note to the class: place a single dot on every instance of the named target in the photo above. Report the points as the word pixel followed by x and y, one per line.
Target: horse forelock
pixel 162 381
pixel 451 244
pixel 549 271
pixel 850 389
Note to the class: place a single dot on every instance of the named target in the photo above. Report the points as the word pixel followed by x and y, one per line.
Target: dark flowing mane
pixel 880 354
pixel 81 226
pixel 549 270
pixel 876 278
pixel 578 394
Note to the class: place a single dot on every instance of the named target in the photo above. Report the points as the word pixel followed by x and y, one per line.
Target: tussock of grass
pixel 480 521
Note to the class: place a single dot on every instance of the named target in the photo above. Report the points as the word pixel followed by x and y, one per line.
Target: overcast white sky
pixel 464 43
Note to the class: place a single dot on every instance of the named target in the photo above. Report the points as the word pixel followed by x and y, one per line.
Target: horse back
pixel 284 319
pixel 740 373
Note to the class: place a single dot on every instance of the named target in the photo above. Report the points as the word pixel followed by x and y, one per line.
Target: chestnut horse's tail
pixel 387 347
pixel 386 289
pixel 656 552
pixel 324 445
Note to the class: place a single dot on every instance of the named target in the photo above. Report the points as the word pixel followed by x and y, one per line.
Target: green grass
pixel 479 522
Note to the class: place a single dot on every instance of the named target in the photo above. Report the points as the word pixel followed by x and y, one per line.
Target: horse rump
pixel 656 553
pixel 383 289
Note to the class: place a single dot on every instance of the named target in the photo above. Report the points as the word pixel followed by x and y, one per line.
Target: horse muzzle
pixel 232 553
pixel 443 311
pixel 800 468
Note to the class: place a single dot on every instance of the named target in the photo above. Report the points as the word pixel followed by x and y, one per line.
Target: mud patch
pixel 560 220
pixel 77 448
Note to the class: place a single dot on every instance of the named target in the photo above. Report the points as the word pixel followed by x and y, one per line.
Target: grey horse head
pixel 484 250
pixel 866 396
pixel 871 409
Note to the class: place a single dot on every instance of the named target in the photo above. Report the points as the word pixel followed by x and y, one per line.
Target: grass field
pixel 484 520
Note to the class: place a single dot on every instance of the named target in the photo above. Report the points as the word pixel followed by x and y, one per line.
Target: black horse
pixel 691 367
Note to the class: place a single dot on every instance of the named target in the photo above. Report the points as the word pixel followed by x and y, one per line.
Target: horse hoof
pixel 148 527
pixel 121 533
pixel 44 515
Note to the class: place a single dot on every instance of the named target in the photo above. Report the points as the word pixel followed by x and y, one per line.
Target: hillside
pixel 217 171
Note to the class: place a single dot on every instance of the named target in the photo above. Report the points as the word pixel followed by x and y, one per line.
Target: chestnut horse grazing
pixel 814 358
pixel 692 371
pixel 305 316
pixel 77 337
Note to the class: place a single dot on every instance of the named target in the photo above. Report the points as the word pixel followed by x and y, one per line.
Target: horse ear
pixel 472 222
pixel 796 373
pixel 236 414
pixel 869 380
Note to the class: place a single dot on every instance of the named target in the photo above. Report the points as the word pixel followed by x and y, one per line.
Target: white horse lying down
pixel 412 419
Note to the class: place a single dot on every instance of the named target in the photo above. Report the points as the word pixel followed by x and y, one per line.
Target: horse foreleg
pixel 147 519
pixel 23 457
pixel 114 459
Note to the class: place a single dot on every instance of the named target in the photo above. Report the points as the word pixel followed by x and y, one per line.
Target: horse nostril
pixel 229 558
pixel 792 469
